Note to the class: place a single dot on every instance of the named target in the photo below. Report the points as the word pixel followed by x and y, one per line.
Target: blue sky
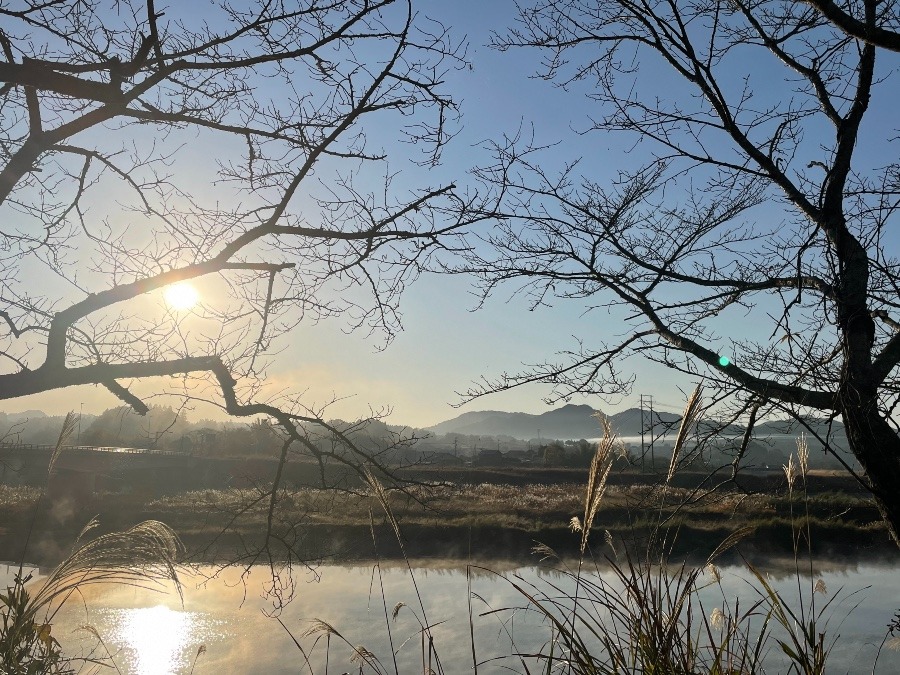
pixel 445 346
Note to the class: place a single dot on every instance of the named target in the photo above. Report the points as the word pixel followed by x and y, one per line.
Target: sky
pixel 445 345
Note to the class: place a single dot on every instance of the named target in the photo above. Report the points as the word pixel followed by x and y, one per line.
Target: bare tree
pixel 744 205
pixel 257 143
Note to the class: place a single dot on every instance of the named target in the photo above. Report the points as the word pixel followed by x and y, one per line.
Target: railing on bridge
pixel 92 448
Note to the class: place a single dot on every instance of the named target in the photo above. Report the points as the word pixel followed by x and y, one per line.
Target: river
pixel 225 618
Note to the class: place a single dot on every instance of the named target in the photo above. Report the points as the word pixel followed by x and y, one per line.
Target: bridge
pixel 68 449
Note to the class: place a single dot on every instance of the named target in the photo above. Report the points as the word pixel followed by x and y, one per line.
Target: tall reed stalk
pixel 804 626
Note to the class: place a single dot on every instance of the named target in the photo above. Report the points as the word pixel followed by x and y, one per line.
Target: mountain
pixel 819 425
pixel 628 422
pixel 570 421
pixel 23 416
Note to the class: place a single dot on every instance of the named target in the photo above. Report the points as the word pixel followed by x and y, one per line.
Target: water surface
pixel 227 619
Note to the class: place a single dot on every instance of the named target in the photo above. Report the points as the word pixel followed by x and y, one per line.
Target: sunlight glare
pixel 181 296
pixel 158 638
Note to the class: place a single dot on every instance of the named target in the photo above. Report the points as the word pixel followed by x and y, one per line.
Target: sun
pixel 181 296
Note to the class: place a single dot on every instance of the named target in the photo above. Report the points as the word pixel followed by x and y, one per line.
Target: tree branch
pixel 861 30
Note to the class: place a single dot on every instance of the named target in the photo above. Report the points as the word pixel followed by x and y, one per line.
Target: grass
pixel 652 618
pixel 531 507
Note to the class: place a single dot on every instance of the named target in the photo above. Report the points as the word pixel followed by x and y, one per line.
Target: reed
pixel 688 419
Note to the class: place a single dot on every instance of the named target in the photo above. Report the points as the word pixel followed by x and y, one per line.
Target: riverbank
pixel 486 520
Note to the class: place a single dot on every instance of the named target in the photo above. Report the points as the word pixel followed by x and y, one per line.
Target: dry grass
pixel 528 507
pixel 691 413
pixel 651 618
pixel 144 555
pixel 18 495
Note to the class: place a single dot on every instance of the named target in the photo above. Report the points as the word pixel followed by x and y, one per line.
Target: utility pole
pixel 643 468
pixel 652 429
pixel 652 437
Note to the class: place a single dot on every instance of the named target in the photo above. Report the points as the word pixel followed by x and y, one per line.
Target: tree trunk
pixel 877 447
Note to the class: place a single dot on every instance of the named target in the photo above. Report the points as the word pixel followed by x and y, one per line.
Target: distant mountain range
pixel 582 421
pixel 570 421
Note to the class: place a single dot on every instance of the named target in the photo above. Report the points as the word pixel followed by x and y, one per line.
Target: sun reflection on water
pixel 158 640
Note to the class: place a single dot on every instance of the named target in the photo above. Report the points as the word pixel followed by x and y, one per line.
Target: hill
pixel 629 422
pixel 570 421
